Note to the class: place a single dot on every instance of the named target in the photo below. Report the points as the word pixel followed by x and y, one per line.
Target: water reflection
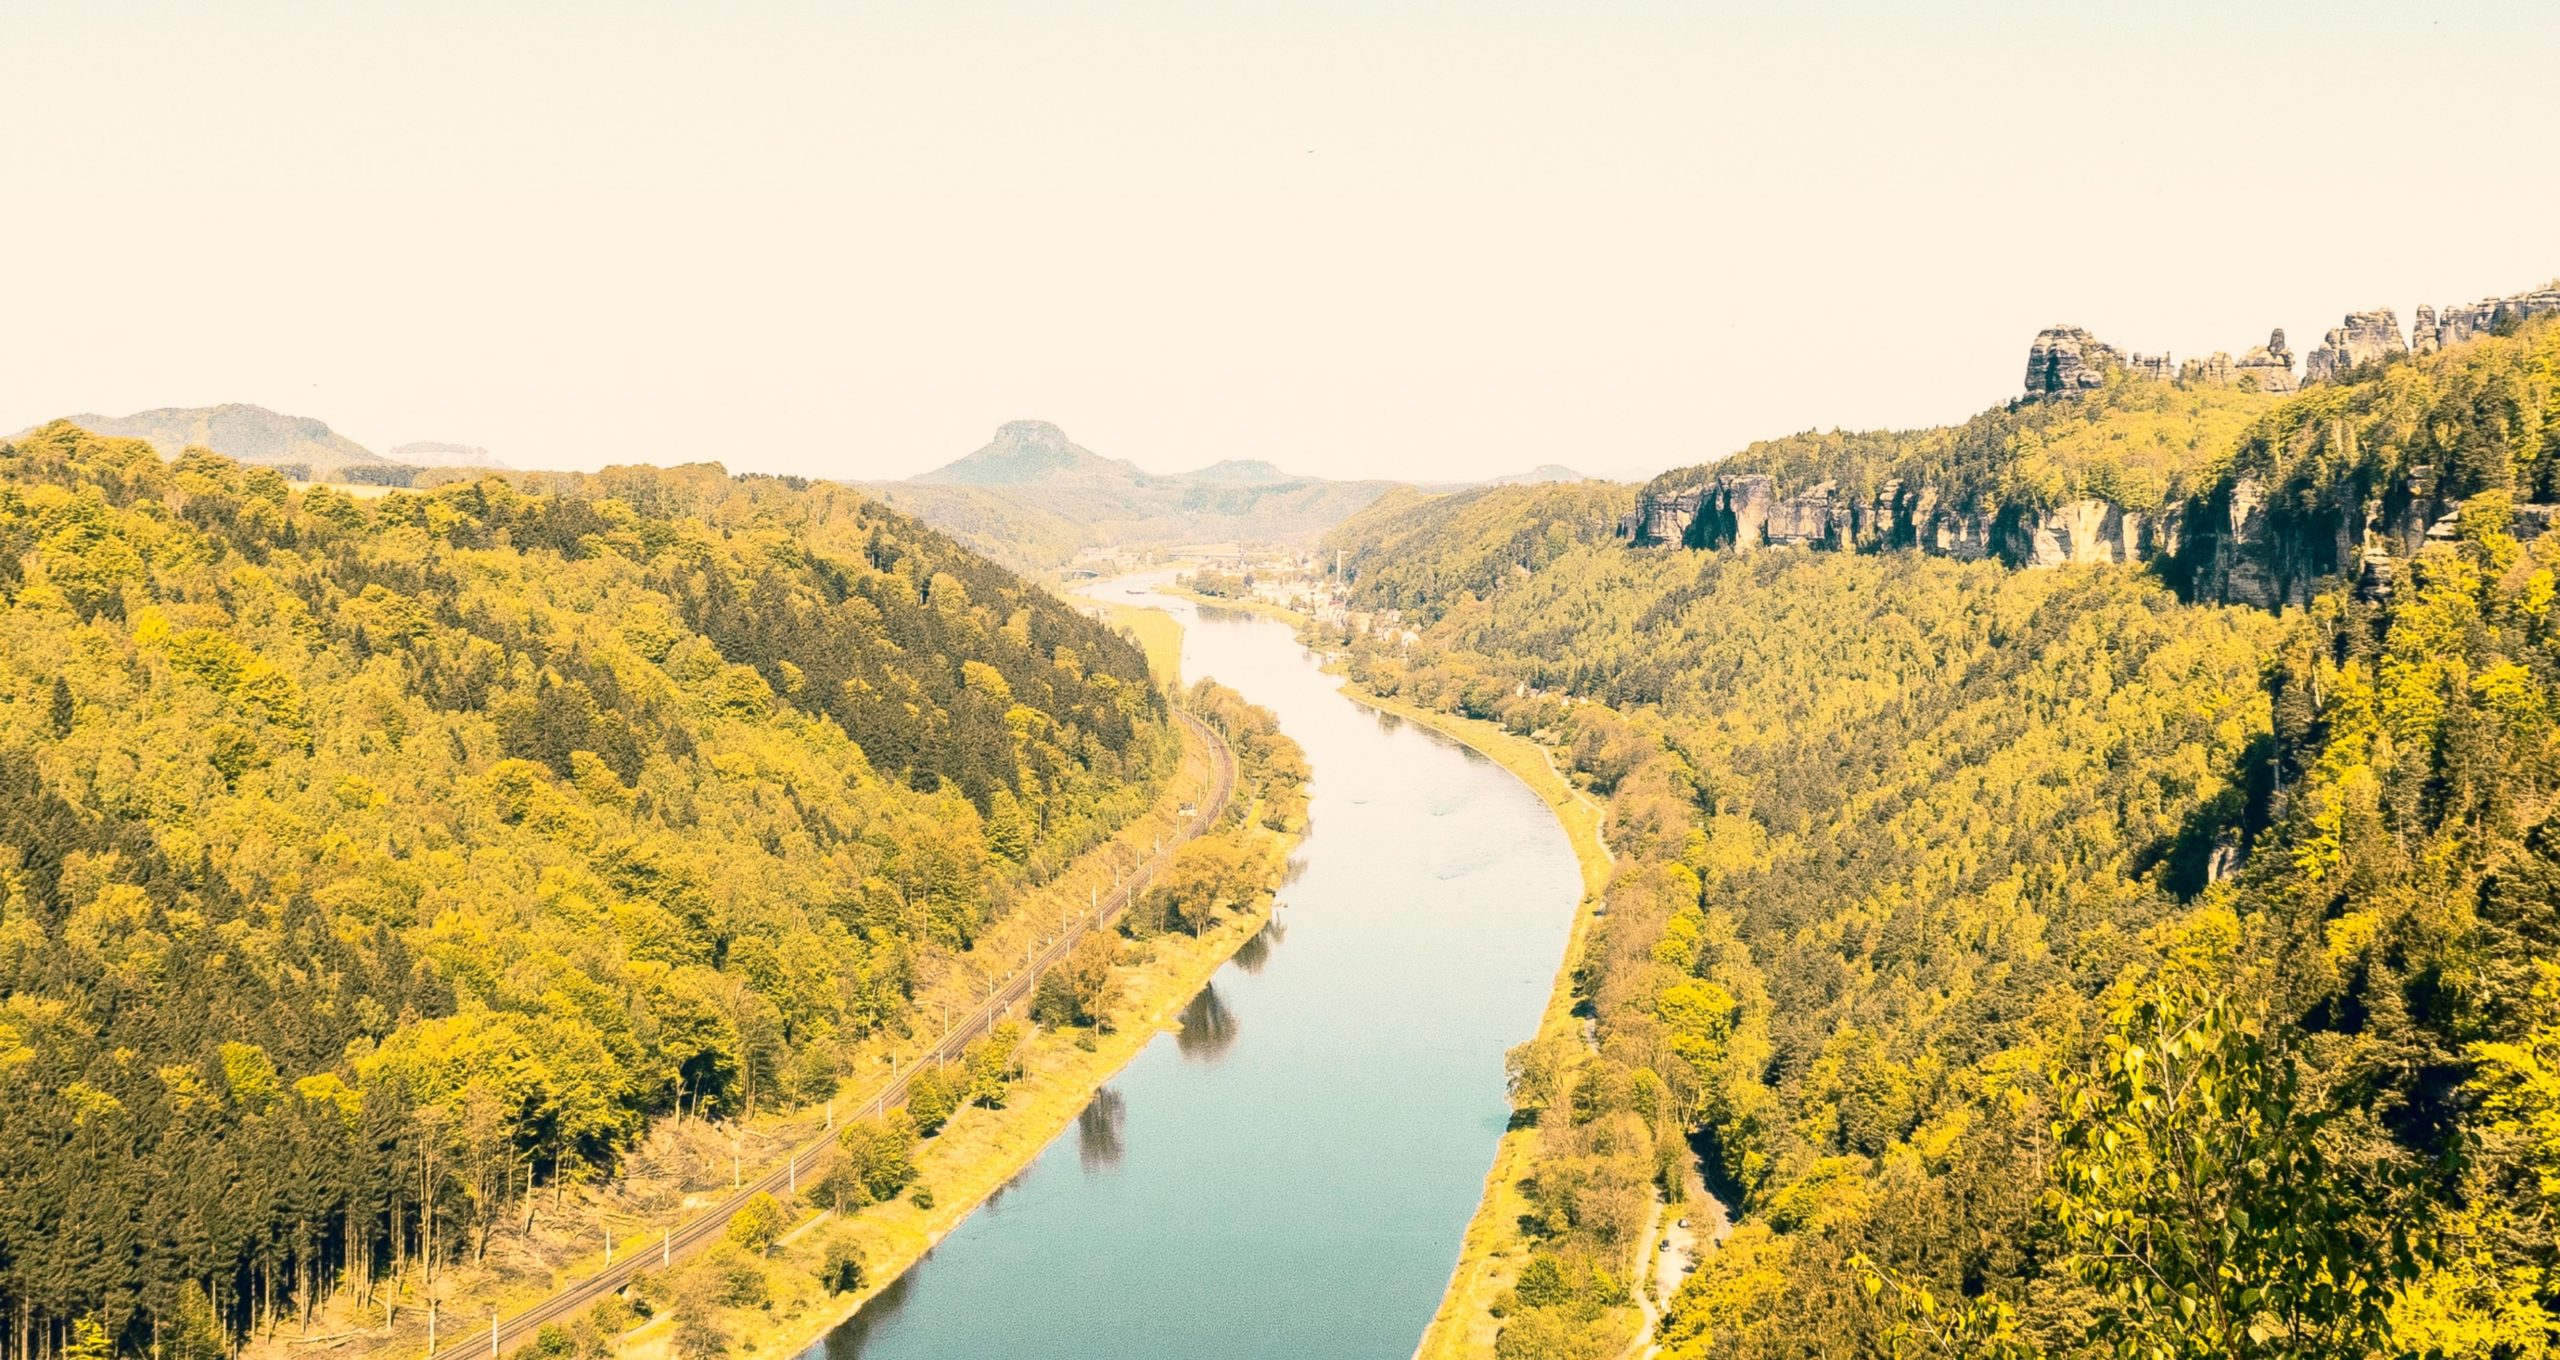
pixel 1098 1142
pixel 1394 984
pixel 1209 1027
pixel 1254 953
pixel 847 1341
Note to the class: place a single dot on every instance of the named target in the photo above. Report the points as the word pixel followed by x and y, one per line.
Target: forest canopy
pixel 2043 965
pixel 366 861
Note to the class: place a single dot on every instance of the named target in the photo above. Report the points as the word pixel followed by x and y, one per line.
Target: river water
pixel 1289 1175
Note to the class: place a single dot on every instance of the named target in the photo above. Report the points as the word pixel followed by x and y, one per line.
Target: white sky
pixel 1355 237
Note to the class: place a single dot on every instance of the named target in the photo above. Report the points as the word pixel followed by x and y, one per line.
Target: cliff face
pixel 2238 541
pixel 2433 332
pixel 1743 511
pixel 2365 338
pixel 2229 546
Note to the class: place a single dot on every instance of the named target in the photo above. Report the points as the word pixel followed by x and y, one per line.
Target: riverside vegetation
pixel 903 1178
pixel 376 872
pixel 2043 963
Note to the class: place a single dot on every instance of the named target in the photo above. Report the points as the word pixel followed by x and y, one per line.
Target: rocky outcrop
pixel 2365 338
pixel 2433 332
pixel 2080 533
pixel 2233 546
pixel 2266 368
pixel 1748 511
pixel 2239 543
pixel 2068 359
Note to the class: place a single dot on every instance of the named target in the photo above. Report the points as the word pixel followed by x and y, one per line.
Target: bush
pixel 930 1100
pixel 875 1158
pixel 991 1063
pixel 841 1271
pixel 735 1279
pixel 758 1223
pixel 1082 987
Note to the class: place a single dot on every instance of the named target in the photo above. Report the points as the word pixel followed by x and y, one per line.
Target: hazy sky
pixel 1355 237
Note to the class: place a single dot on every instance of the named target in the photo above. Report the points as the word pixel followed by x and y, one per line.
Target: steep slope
pixel 2045 963
pixel 366 864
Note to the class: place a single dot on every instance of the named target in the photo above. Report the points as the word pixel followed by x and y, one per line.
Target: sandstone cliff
pixel 2364 338
pixel 2233 538
pixel 2457 324
pixel 2064 360
pixel 2267 367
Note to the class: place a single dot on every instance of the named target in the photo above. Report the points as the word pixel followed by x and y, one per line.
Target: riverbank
pixel 979 1152
pixel 1494 1249
pixel 1158 633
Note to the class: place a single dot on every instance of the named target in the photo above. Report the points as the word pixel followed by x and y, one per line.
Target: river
pixel 1289 1175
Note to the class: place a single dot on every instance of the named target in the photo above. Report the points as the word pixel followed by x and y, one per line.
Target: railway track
pixel 809 1159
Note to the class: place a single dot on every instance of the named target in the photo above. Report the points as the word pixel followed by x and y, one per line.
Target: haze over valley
pixel 1654 682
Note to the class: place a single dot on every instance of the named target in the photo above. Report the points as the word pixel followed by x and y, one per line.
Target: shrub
pixel 758 1223
pixel 930 1100
pixel 841 1271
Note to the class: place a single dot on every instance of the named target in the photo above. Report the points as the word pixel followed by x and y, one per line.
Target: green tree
pixel 89 1341
pixel 2197 1193
pixel 992 1064
pixel 875 1159
pixel 758 1223
pixel 1081 988
pixel 931 1099
pixel 841 1270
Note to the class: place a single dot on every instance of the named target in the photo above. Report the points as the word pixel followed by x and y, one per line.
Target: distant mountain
pixel 1028 451
pixel 250 434
pixel 434 453
pixel 1539 475
pixel 1243 472
pixel 1033 498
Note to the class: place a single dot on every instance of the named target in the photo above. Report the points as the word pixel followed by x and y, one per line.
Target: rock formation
pixel 2366 338
pixel 2069 359
pixel 2457 324
pixel 2267 367
pixel 2235 544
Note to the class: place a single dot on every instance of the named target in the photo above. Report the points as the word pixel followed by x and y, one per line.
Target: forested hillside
pixel 1422 553
pixel 366 864
pixel 2043 964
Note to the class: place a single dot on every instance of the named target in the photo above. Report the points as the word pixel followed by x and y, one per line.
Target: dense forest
pixel 2040 962
pixel 368 862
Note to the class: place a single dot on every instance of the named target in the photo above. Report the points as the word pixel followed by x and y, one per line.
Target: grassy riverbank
pixel 1158 633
